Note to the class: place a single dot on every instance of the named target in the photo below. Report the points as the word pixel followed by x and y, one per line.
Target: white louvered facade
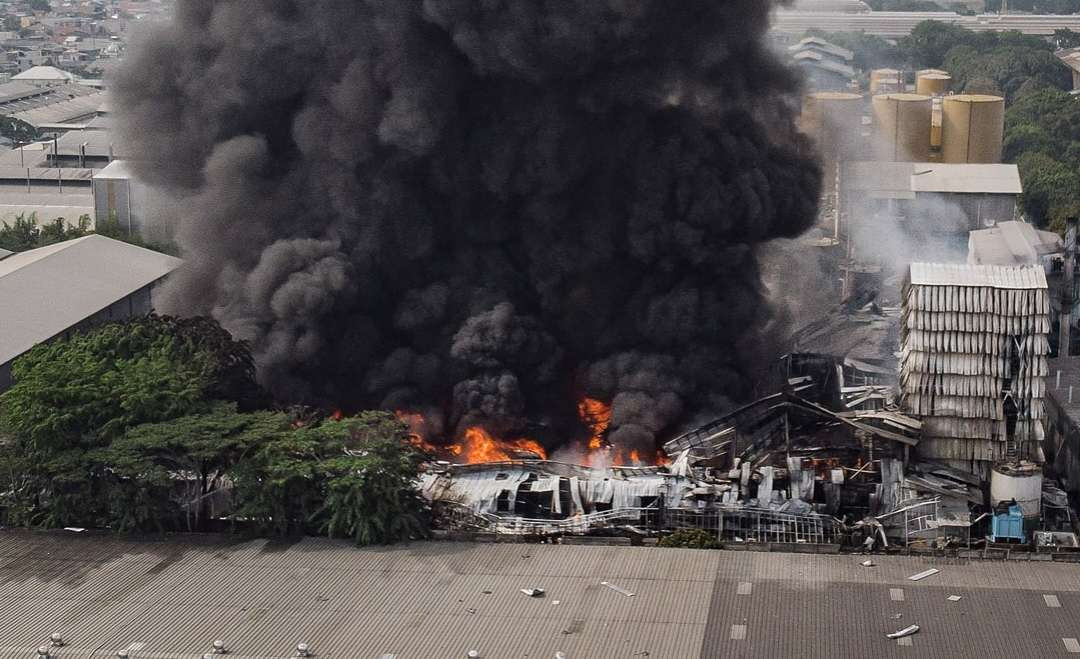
pixel 974 344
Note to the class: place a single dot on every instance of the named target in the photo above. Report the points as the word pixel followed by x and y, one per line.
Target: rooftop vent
pixel 219 647
pixel 121 654
pixel 56 640
pixel 302 650
pixel 43 652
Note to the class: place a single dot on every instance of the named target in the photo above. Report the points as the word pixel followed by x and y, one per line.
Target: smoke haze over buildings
pixel 480 210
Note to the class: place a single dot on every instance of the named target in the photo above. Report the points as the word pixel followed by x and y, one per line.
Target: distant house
pixel 44 75
pixel 828 67
pixel 49 292
pixel 1070 57
pixel 1013 243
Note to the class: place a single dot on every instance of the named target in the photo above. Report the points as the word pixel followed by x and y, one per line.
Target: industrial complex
pixel 891 467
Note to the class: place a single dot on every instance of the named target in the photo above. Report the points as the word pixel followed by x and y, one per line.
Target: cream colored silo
pixel 935 125
pixel 833 119
pixel 932 84
pixel 971 128
pixel 902 127
pixel 891 77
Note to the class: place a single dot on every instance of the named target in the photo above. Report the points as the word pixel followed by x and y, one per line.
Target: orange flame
pixel 337 415
pixel 597 417
pixel 416 424
pixel 481 446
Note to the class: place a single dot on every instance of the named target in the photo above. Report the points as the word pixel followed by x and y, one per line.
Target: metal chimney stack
pixel 1068 288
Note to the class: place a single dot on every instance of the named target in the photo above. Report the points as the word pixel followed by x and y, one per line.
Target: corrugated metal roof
pixel 427 601
pixel 963 274
pixel 909 178
pixel 63 111
pixel 1012 243
pixel 423 600
pixel 45 291
pixel 968 178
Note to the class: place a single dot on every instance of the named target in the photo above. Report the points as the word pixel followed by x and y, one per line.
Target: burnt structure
pixel 974 361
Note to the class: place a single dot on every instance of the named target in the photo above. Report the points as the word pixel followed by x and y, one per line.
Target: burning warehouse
pixel 829 458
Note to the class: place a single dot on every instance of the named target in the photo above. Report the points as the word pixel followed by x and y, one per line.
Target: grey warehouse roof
pixel 173 598
pixel 45 291
pixel 906 178
pixel 1012 243
pixel 990 276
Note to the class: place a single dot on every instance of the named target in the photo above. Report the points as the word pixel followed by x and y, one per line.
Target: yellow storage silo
pixel 902 127
pixel 833 119
pixel 935 123
pixel 932 84
pixel 971 128
pixel 877 75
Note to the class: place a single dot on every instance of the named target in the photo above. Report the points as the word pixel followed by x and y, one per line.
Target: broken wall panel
pixel 974 345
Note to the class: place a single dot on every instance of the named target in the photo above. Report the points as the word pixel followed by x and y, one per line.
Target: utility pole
pixel 1068 289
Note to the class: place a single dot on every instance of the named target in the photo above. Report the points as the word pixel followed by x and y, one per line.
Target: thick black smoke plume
pixel 481 210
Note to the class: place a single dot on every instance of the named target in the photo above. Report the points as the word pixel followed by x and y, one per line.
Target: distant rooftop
pixel 44 74
pixel 45 291
pixel 1012 243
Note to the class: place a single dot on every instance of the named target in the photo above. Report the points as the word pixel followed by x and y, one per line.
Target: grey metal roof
pixel 1012 243
pixel 1070 57
pixel 45 291
pixel 905 179
pixel 966 178
pixel 63 111
pixel 991 276
pixel 173 598
pixel 117 169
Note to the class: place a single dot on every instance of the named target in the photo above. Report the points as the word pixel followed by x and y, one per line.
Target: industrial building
pixel 1070 57
pixel 896 24
pixel 974 345
pixel 1014 243
pixel 826 66
pixel 973 196
pixel 55 290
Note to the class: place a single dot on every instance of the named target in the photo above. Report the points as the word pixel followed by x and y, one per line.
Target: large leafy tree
pixel 84 390
pixel 76 395
pixel 186 461
pixel 351 478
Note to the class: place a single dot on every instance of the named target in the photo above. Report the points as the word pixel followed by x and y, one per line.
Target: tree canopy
pixel 25 233
pixel 1042 136
pixel 91 387
pixel 156 424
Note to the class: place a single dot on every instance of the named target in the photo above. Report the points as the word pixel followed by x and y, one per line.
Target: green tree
pixel 930 41
pixel 1065 38
pixel 186 461
pixel 25 233
pixel 351 478
pixel 86 389
pixel 1051 189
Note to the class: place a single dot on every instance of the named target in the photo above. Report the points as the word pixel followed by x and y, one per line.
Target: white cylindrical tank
pixel 1021 481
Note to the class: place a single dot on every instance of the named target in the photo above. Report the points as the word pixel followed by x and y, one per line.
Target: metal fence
pixel 731 523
